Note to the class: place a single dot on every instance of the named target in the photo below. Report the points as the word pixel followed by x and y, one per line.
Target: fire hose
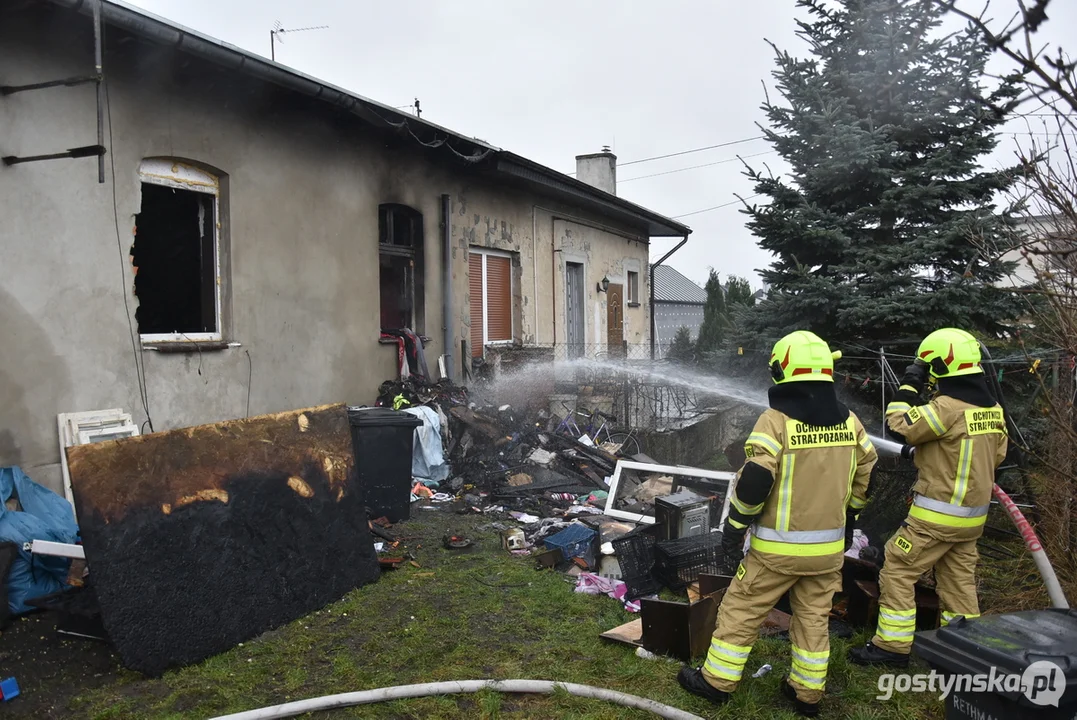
pixel 402 692
pixel 1054 589
pixel 1032 542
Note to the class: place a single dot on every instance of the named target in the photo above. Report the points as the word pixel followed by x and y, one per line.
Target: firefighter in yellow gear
pixel 804 481
pixel 959 439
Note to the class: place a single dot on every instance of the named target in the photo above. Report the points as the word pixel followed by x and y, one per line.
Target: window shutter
pixel 499 298
pixel 474 262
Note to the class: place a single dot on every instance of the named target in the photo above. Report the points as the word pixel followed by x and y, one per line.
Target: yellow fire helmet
pixel 950 352
pixel 802 355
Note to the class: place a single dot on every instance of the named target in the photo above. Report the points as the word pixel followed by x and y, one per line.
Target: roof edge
pixel 164 31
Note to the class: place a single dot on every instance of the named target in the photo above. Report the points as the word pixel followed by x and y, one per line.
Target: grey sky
pixel 553 79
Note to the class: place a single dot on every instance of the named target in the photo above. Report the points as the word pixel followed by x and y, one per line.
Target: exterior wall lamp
pixel 604 285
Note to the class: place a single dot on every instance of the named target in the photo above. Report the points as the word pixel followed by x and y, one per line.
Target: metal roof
pixel 458 148
pixel 671 286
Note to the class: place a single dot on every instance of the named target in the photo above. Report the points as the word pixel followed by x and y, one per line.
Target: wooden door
pixel 615 320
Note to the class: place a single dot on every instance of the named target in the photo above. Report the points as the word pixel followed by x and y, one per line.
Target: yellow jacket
pixel 816 475
pixel 958 447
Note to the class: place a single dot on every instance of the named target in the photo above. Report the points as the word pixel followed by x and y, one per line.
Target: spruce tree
pixel 877 227
pixel 738 292
pixel 712 330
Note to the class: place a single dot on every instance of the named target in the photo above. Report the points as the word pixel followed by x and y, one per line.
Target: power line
pixel 685 152
pixel 716 207
pixel 693 150
pixel 696 167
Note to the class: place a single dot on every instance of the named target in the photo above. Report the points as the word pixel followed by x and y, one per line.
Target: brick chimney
pixel 598 170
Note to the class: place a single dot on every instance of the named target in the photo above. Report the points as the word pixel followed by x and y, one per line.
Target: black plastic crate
pixel 635 556
pixel 679 563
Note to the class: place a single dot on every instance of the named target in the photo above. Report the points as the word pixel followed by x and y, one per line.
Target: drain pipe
pixel 665 257
pixel 446 282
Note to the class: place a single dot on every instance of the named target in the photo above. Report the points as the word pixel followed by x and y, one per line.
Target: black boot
pixel 803 708
pixel 872 655
pixel 692 680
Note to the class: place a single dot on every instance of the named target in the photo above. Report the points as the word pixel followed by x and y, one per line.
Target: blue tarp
pixel 44 516
pixel 428 458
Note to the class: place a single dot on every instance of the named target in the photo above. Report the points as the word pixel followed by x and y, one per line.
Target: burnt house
pixel 195 233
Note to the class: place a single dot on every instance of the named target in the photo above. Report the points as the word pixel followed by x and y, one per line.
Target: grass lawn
pixel 466 615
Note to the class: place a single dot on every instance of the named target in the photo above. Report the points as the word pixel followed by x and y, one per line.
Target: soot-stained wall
pixel 202 538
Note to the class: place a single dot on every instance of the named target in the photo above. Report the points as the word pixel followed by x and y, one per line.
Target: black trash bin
pixel 383 441
pixel 1041 642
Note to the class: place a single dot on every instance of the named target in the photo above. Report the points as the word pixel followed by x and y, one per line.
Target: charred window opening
pixel 175 262
pixel 400 246
pixel 176 253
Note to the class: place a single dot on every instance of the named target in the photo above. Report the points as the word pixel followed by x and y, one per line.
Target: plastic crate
pixel 679 563
pixel 635 555
pixel 573 541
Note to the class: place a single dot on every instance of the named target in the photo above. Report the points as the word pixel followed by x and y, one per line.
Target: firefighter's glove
pixel 915 376
pixel 732 549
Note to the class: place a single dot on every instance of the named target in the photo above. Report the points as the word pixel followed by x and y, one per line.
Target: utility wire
pixel 140 368
pixel 685 152
pixel 693 150
pixel 716 207
pixel 696 167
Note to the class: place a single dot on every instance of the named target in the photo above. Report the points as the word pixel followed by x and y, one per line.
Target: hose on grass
pixel 403 692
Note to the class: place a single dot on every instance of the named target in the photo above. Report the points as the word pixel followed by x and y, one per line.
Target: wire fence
pixel 620 381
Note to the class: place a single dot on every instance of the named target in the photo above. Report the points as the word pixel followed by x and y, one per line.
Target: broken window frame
pixel 388 214
pixel 171 173
pixel 649 469
pixel 486 253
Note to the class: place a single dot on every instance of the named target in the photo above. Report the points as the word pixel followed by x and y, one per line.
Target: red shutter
pixel 499 298
pixel 474 264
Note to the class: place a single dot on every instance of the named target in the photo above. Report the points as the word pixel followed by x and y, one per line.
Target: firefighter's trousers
pixel 752 595
pixel 909 554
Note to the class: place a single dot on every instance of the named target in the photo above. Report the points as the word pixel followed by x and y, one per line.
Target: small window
pixel 176 254
pixel 490 288
pixel 633 288
pixel 400 245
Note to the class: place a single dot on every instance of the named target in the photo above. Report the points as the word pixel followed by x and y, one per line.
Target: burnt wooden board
pixel 201 538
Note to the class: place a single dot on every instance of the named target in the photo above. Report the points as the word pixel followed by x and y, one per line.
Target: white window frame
pixel 79 427
pixel 183 176
pixel 629 300
pixel 486 342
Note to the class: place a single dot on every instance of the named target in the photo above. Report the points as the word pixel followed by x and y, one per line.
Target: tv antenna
pixel 279 30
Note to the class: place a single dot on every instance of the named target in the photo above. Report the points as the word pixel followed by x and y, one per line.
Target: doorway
pixel 615 320
pixel 574 317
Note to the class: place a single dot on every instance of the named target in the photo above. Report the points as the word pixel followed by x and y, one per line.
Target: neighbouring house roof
pixel 477 153
pixel 671 286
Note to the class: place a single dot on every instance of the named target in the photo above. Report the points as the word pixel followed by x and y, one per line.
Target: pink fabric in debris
pixel 592 584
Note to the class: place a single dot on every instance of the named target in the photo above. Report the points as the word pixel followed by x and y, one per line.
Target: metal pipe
pixel 98 70
pixel 653 266
pixel 446 299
